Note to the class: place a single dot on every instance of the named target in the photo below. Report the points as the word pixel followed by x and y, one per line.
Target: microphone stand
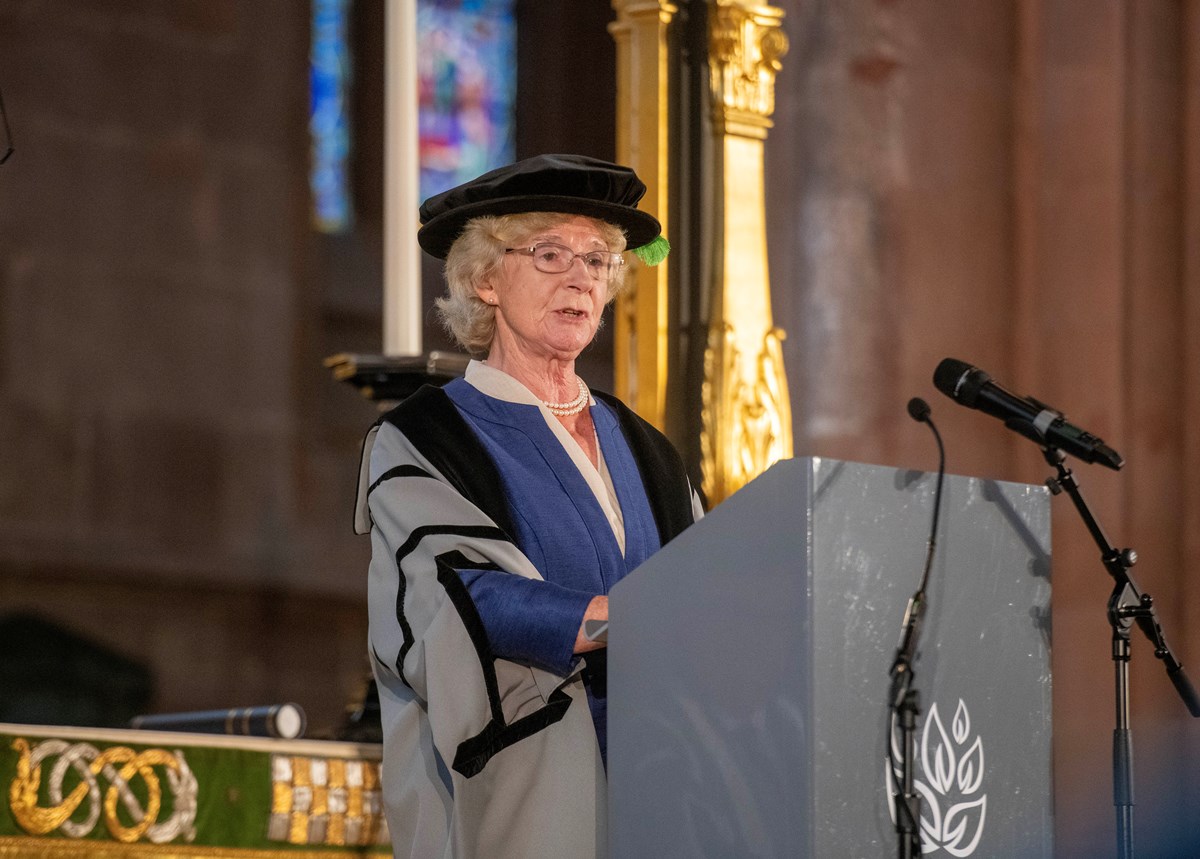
pixel 906 705
pixel 1127 605
pixel 903 700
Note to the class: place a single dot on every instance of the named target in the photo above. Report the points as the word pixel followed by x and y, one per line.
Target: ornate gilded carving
pixel 745 49
pixel 119 767
pixel 747 418
pixel 746 414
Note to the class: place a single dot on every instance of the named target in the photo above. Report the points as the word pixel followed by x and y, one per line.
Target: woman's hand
pixel 597 610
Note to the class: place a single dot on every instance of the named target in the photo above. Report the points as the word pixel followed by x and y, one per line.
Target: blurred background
pixel 1015 183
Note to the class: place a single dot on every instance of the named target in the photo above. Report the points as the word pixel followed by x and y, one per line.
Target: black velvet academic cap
pixel 571 184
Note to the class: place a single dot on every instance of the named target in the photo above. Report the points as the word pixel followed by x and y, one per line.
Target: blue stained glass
pixel 329 126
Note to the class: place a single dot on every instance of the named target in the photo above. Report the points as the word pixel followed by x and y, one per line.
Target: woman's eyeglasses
pixel 554 258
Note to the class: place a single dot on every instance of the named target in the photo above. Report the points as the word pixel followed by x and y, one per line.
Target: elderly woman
pixel 502 508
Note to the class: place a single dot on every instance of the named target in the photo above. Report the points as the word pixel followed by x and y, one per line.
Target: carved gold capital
pixel 746 45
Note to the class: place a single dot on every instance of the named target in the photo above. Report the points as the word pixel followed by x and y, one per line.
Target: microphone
pixel 285 721
pixel 1037 421
pixel 919 410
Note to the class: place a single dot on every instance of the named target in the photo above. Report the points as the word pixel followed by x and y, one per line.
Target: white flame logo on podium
pixel 948 779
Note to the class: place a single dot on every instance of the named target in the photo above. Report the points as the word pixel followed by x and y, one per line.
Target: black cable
pixel 920 412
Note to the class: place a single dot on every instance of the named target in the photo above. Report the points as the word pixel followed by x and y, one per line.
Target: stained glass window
pixel 329 125
pixel 467 71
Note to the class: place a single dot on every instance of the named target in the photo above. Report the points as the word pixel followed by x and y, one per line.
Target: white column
pixel 401 178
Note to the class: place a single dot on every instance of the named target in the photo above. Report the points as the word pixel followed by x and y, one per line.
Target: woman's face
pixel 542 315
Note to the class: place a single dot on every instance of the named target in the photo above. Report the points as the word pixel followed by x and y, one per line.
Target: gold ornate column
pixel 640 33
pixel 747 422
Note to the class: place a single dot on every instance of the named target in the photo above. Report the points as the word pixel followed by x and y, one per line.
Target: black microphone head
pixel 958 380
pixel 919 410
pixel 949 374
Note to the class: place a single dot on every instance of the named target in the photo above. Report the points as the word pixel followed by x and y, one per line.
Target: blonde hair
pixel 476 255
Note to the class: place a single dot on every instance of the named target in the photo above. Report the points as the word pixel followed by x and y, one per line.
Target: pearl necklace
pixel 574 407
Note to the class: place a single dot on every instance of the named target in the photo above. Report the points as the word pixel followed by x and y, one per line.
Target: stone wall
pixel 178 468
pixel 1015 184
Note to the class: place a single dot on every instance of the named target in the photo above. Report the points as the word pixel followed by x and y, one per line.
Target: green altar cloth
pixel 108 793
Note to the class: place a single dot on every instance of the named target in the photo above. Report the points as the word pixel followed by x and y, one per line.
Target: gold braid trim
pixel 54 848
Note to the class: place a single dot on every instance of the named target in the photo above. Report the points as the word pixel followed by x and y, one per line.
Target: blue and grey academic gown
pixel 487 545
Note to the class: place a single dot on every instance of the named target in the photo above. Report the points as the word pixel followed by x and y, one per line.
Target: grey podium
pixel 748 671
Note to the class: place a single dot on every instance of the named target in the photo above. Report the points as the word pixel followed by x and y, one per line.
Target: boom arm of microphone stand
pixel 1147 621
pixel 1134 604
pixel 1185 689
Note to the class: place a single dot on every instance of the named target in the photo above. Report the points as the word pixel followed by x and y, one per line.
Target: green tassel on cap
pixel 654 252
